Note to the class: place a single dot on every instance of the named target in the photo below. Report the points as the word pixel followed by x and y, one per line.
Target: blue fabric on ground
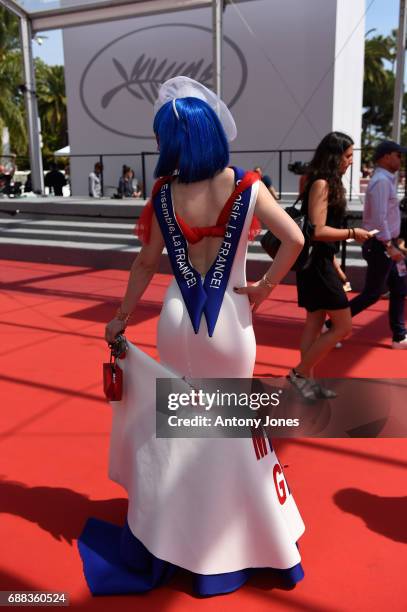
pixel 101 546
pixel 116 562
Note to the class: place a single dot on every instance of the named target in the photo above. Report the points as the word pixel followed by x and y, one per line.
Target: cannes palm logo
pixel 147 74
pixel 120 83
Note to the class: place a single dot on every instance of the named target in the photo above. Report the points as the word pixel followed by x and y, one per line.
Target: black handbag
pixel 271 243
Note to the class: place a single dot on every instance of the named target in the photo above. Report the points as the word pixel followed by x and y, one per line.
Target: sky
pixel 381 14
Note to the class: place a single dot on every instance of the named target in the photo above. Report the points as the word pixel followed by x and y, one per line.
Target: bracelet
pixel 354 233
pixel 122 316
pixel 348 234
pixel 267 283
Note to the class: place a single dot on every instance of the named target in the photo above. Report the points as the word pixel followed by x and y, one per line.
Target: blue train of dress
pixel 116 562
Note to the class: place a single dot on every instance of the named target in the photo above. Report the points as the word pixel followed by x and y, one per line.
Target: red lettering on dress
pixel 279 483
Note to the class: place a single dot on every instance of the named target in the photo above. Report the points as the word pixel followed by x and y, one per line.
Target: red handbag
pixel 112 381
pixel 112 373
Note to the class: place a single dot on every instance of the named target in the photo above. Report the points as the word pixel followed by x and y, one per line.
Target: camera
pixel 298 167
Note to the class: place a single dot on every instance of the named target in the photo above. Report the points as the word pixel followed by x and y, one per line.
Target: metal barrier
pixel 270 152
pixel 279 158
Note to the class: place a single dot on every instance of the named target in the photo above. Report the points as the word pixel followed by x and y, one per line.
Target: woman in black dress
pixel 320 284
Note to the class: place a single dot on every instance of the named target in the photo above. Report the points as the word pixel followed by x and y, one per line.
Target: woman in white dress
pixel 219 508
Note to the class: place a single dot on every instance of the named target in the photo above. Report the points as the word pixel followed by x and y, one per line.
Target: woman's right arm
pixel 317 212
pixel 142 270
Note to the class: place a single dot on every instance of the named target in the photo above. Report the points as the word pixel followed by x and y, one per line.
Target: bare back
pixel 199 204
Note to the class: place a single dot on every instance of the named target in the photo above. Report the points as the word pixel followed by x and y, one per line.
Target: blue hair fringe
pixel 195 145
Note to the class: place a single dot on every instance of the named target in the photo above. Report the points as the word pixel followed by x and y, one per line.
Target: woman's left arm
pixel 287 231
pixel 142 270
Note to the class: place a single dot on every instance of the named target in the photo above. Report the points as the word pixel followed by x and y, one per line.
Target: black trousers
pixel 381 274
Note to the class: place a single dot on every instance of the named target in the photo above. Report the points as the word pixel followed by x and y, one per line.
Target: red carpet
pixel 54 448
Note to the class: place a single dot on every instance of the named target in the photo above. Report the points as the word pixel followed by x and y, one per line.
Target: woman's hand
pixel 342 276
pixel 340 272
pixel 360 234
pixel 401 245
pixel 257 293
pixel 394 253
pixel 113 329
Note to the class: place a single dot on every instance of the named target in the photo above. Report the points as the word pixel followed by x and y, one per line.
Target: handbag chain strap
pixel 299 199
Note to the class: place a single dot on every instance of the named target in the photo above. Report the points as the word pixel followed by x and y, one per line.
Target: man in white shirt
pixel 95 181
pixel 382 212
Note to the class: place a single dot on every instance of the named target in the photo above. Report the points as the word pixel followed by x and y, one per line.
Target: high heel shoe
pixel 305 386
pixel 322 392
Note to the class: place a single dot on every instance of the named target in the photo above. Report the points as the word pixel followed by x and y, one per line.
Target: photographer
pixel 267 181
pixel 300 168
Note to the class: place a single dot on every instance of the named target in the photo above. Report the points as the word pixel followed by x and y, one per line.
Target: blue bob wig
pixel 194 145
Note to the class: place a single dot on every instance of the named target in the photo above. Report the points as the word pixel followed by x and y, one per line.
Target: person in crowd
pixel 402 241
pixel 55 180
pixel 137 187
pixel 95 181
pixel 199 503
pixel 266 179
pixel 6 175
pixel 128 185
pixel 67 171
pixel 366 170
pixel 320 284
pixel 28 186
pixel 385 260
pixel 3 180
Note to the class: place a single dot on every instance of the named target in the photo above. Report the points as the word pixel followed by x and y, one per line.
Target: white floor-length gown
pixel 208 505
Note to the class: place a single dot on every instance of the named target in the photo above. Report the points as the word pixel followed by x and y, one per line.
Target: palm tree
pixel 50 93
pixel 377 49
pixel 9 32
pixel 51 105
pixel 378 87
pixel 12 114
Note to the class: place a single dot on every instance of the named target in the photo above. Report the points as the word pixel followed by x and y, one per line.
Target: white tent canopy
pixel 64 152
pixel 52 14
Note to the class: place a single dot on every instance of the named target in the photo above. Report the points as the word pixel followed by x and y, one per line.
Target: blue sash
pixel 198 298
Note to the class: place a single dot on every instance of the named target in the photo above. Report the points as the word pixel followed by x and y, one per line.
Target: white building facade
pixel 292 71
